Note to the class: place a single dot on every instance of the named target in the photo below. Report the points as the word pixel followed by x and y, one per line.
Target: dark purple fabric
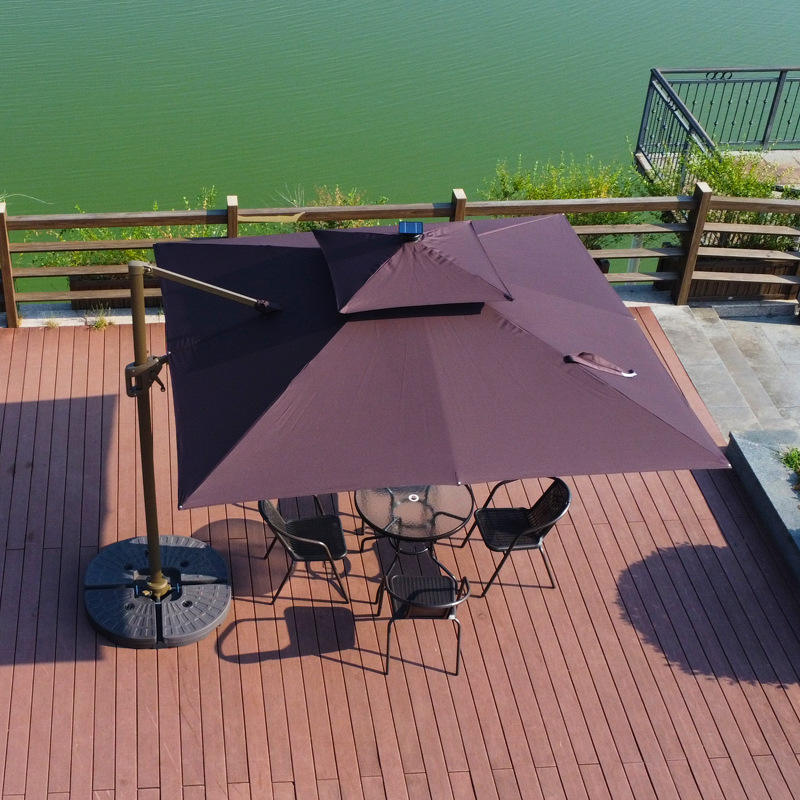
pixel 357 256
pixel 307 400
pixel 372 270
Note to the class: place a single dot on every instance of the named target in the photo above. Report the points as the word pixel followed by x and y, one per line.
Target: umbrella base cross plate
pixel 120 607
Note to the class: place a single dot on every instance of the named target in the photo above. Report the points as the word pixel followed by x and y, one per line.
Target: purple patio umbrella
pixel 479 351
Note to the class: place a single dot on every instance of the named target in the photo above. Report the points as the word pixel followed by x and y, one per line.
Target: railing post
pixel 648 103
pixel 776 99
pixel 6 274
pixel 233 216
pixel 697 221
pixel 459 202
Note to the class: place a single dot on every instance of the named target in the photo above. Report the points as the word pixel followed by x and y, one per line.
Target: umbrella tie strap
pixel 599 363
pixel 140 377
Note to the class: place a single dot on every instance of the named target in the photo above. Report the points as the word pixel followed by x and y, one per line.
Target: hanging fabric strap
pixel 599 363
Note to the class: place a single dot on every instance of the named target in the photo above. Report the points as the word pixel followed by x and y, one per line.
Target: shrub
pixel 205 200
pixel 791 459
pixel 734 175
pixel 570 180
pixel 325 196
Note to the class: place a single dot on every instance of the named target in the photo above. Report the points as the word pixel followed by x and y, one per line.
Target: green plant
pixel 206 199
pixel 734 175
pixel 5 195
pixel 51 323
pixel 325 196
pixel 101 318
pixel 790 458
pixel 569 179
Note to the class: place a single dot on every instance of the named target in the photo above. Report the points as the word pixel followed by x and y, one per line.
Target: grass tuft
pixel 791 459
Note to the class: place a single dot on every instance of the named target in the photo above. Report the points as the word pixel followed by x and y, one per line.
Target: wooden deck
pixel 665 664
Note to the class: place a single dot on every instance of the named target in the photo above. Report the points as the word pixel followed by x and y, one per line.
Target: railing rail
pixel 729 107
pixel 690 213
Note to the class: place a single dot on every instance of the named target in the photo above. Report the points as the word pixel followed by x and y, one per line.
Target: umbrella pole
pixel 157 584
pixel 139 377
pixel 194 596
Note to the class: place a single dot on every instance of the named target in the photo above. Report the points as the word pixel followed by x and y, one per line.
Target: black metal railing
pixel 710 108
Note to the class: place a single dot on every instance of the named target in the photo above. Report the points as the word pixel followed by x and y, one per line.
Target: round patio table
pixel 417 514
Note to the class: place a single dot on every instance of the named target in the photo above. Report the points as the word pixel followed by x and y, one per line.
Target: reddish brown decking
pixel 665 664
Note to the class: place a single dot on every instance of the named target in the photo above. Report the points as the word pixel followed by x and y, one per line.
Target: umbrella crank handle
pixel 140 377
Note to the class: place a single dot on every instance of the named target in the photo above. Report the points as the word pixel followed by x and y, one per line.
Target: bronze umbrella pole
pixel 144 371
pixel 139 378
pixel 157 591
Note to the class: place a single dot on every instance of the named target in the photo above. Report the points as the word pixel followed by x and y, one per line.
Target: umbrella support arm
pixel 164 610
pixel 143 268
pixel 139 377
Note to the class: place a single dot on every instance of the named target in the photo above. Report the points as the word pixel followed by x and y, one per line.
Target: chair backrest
pixel 426 598
pixel 296 546
pixel 550 507
pixel 273 518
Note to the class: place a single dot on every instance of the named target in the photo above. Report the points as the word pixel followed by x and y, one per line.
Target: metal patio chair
pixel 309 539
pixel 505 530
pixel 423 597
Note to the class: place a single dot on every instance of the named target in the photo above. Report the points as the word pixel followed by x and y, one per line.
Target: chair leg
pixel 494 574
pixel 379 596
pixel 469 533
pixel 271 545
pixel 340 582
pixel 388 644
pixel 458 645
pixel 283 583
pixel 547 566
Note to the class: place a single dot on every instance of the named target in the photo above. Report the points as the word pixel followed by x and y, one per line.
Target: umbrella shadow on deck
pixel 320 628
pixel 711 615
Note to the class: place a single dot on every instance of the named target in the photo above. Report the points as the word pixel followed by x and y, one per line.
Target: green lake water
pixel 115 105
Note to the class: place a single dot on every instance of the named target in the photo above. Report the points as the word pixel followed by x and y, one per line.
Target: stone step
pixel 772 350
pixel 745 369
pixel 706 368
pixel 727 337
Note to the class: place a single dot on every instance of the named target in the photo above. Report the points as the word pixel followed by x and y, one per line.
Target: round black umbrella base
pixel 117 601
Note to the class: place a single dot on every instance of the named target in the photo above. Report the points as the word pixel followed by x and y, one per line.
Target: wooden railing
pixel 694 209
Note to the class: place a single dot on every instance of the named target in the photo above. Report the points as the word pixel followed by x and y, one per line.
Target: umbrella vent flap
pixel 378 270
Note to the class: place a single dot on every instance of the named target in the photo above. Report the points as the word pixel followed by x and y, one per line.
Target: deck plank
pixel 38 756
pixel 82 761
pixel 663 664
pixel 247 656
pixel 17 516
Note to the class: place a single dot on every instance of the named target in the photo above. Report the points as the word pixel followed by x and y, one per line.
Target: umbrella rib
pixel 449 260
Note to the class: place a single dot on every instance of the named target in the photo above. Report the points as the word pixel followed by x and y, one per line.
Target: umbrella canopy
pixel 482 351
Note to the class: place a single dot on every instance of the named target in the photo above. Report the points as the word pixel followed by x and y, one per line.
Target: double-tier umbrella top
pixel 480 351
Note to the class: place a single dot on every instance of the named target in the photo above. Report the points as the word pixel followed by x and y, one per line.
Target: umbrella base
pixel 115 599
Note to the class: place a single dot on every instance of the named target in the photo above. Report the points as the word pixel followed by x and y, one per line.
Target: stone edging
pixel 754 455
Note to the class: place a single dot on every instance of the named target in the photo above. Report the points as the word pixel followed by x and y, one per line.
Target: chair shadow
pixel 693 604
pixel 312 631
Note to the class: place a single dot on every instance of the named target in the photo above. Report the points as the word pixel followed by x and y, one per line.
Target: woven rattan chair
pixel 309 539
pixel 426 597
pixel 505 530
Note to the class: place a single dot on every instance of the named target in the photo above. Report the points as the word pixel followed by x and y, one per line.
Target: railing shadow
pixel 58 462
